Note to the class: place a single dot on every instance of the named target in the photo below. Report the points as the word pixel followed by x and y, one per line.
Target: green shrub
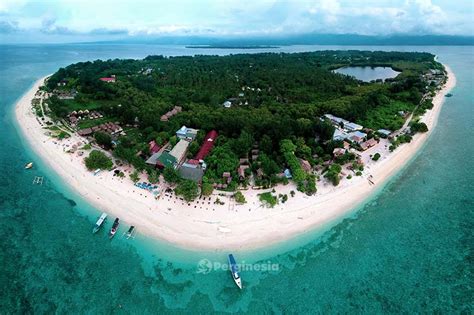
pixel 268 199
pixel 239 197
pixel 134 177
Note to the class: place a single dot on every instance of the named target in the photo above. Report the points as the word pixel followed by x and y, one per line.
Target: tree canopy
pixel 98 160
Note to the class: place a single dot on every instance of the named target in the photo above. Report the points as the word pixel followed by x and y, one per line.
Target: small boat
pixel 99 222
pixel 114 228
pixel 130 232
pixel 28 165
pixel 449 95
pixel 234 269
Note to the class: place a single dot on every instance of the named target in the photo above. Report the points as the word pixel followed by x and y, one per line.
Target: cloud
pixel 121 18
pixel 8 5
pixel 8 27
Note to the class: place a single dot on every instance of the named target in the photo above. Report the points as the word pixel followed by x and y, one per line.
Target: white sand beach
pixel 203 224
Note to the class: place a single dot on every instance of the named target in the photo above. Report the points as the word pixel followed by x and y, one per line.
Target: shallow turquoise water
pixel 408 250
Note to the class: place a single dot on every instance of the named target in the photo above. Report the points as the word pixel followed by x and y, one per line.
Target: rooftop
pixel 179 149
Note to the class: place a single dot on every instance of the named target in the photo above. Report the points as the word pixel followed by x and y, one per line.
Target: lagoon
pixel 368 73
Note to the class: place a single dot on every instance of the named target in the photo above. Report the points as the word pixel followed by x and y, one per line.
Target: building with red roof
pixel 207 145
pixel 108 80
pixel 153 147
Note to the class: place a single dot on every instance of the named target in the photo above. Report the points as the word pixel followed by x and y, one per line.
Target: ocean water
pixel 409 249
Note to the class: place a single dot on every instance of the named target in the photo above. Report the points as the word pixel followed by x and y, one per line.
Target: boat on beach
pixel 28 165
pixel 234 270
pixel 130 233
pixel 99 222
pixel 114 228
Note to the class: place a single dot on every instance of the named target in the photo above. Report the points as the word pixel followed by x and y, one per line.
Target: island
pixel 221 46
pixel 233 152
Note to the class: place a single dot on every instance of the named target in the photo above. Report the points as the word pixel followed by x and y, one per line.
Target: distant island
pixel 232 46
pixel 222 144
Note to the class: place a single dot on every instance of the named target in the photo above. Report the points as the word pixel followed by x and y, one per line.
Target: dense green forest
pixel 277 99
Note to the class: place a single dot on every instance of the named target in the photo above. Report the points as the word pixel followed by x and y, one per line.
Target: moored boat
pixel 130 232
pixel 100 222
pixel 234 269
pixel 28 165
pixel 114 228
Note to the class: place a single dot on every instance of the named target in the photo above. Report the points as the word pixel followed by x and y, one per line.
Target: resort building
pixel 384 132
pixel 186 133
pixel 352 126
pixel 368 144
pixel 153 160
pixel 109 127
pixel 191 171
pixel 170 158
pixel 108 80
pixel 207 145
pixel 339 135
pixel 357 136
pixel 343 126
pixel 179 150
pixel 336 120
pixel 171 113
pixel 153 147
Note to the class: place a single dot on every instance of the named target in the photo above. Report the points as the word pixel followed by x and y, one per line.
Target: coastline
pixel 238 227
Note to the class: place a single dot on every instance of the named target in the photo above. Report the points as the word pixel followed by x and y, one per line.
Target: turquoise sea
pixel 409 249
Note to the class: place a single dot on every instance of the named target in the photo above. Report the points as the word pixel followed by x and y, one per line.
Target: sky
pixel 32 21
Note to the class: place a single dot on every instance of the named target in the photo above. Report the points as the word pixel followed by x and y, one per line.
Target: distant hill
pixel 307 39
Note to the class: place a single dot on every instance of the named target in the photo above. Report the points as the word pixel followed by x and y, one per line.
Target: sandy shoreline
pixel 204 225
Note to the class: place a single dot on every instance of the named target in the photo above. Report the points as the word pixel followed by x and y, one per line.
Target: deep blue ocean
pixel 409 249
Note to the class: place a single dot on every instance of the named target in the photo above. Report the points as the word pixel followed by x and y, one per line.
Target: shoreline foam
pixel 250 225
